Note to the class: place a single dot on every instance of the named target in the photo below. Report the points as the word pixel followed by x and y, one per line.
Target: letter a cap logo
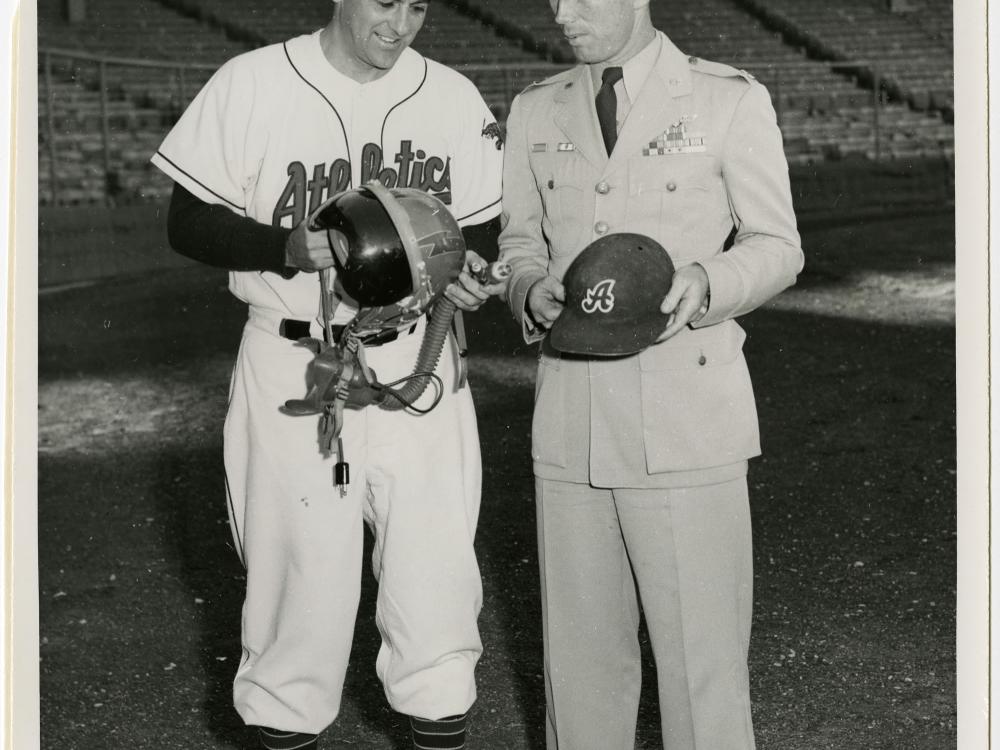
pixel 614 288
pixel 600 297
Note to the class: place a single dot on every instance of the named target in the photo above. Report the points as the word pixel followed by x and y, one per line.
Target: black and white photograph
pixel 498 374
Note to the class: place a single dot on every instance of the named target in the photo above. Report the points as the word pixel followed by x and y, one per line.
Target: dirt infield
pixel 853 509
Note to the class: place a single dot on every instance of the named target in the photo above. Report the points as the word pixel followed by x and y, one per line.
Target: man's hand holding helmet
pixel 307 250
pixel 687 300
pixel 546 299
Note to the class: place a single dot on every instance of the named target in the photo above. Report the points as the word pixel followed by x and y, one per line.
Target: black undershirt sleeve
pixel 482 238
pixel 214 235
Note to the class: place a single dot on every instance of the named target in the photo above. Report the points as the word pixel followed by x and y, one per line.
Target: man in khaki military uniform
pixel 641 461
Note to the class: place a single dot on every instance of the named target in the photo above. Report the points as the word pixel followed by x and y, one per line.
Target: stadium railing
pixel 166 87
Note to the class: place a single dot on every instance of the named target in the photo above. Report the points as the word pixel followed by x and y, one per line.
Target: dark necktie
pixel 607 107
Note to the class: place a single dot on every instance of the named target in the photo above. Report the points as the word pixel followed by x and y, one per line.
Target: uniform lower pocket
pixel 697 402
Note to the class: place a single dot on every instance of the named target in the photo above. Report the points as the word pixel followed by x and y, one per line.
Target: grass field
pixel 853 509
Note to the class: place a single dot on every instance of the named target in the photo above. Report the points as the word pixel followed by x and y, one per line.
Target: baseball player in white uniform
pixel 274 133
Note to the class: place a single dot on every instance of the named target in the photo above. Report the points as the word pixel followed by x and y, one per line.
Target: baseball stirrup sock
pixel 442 734
pixel 275 739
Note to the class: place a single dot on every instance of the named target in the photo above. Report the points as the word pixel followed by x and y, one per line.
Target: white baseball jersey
pixel 278 130
pixel 273 134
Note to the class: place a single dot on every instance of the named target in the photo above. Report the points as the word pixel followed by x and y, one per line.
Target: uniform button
pixel 702 360
pixel 693 60
pixel 671 186
pixel 601 227
pixel 602 187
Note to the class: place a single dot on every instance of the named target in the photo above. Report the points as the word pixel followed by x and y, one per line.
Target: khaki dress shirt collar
pixel 635 71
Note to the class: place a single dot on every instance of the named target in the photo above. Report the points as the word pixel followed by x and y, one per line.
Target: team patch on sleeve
pixel 492 131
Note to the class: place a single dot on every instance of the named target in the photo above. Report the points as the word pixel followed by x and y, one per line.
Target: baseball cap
pixel 614 288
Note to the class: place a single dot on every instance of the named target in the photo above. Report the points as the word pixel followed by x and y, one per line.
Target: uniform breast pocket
pixel 681 197
pixel 697 401
pixel 561 177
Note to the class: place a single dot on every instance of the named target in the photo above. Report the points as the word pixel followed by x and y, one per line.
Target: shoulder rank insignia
pixel 565 147
pixel 677 139
pixel 720 70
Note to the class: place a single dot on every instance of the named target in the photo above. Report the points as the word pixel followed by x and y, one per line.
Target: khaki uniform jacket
pixel 699 154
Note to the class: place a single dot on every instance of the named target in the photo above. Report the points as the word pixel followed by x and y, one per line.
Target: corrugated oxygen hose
pixel 431 347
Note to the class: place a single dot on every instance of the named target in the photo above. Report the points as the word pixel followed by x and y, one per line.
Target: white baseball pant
pixel 415 481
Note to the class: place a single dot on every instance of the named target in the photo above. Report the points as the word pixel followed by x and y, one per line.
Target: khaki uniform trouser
pixel 688 552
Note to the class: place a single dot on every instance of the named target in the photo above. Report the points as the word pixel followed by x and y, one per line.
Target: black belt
pixel 299 329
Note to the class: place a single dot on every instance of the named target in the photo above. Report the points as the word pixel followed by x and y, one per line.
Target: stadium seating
pixel 198 35
pixel 140 29
pixel 140 100
pixel 448 36
pixel 529 21
pixel 824 112
pixel 71 135
pixel 170 47
pixel 912 51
